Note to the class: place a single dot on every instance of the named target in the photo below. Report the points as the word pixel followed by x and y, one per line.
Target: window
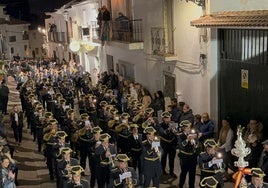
pixel 85 31
pixel 12 38
pixel 12 50
pixel 25 35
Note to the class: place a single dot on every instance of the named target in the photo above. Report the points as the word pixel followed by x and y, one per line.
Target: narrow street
pixel 33 172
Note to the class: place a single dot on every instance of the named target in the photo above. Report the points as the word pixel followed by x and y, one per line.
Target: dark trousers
pixel 103 176
pixel 171 153
pixel 4 101
pixel 17 130
pixel 188 165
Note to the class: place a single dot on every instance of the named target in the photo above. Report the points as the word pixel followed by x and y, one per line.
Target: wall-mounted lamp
pixel 198 2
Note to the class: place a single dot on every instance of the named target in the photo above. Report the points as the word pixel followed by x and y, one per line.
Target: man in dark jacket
pixel 4 92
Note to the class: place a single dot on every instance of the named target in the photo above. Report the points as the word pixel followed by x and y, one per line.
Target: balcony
pixel 162 44
pixel 59 37
pixel 126 34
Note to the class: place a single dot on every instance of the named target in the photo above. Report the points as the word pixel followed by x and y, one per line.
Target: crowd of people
pixel 125 134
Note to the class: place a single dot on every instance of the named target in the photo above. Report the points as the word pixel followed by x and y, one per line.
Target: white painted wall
pixel 36 40
pixel 237 5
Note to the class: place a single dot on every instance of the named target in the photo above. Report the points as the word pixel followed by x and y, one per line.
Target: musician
pixel 135 149
pixel 104 160
pixel 123 176
pixel 211 162
pixel 123 133
pixel 168 142
pixel 16 118
pixel 150 158
pixel 257 179
pixel 50 151
pixel 86 140
pixel 40 122
pixel 188 152
pixel 103 119
pixel 149 120
pixel 97 132
pixel 113 122
pixel 76 181
pixel 139 116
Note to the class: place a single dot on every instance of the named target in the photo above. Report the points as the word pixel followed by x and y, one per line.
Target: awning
pixel 233 19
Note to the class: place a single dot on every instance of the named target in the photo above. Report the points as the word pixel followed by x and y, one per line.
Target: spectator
pixel 254 127
pixel 159 102
pixel 263 162
pixel 123 25
pixel 4 92
pixel 206 130
pixel 114 82
pixel 146 99
pixel 187 114
pixel 16 118
pixel 175 113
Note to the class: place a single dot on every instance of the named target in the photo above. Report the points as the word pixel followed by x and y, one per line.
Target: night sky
pixel 31 10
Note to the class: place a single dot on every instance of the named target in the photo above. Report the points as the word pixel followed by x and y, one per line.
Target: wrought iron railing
pixel 162 42
pixel 57 37
pixel 125 31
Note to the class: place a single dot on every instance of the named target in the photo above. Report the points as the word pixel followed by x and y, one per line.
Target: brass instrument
pixel 111 161
pixel 111 123
pixel 146 123
pixel 137 117
pixel 129 181
pixel 120 127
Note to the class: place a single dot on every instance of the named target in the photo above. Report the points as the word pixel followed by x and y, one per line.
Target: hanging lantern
pixel 74 46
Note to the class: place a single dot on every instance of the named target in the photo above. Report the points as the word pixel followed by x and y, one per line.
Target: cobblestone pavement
pixel 32 167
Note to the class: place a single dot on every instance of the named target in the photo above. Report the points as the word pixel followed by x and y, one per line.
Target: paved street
pixel 32 168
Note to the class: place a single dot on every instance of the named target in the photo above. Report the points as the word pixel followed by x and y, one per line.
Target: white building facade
pixel 173 56
pixel 14 36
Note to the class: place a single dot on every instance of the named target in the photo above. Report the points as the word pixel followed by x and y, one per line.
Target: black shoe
pixel 164 173
pixel 173 175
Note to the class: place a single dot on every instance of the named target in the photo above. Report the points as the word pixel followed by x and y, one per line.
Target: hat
pixel 134 126
pixel 108 107
pixel 61 134
pixel 124 115
pixel 53 121
pixel 109 91
pixel 209 181
pixel 265 141
pixel 39 108
pixel 185 123
pixel 103 103
pixel 166 114
pixel 3 141
pixel 58 95
pixel 96 130
pixel 82 95
pixel 210 143
pixel 65 150
pixel 84 116
pixel 257 172
pixel 128 96
pixel 48 114
pixel 149 111
pixel 252 138
pixel 77 170
pixel 104 137
pixel 122 158
pixel 149 130
pixel 134 102
pixel 62 101
pixel 103 87
pixel 70 112
pixel 113 111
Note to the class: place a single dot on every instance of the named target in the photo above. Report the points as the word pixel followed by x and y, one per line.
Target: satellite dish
pixel 74 46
